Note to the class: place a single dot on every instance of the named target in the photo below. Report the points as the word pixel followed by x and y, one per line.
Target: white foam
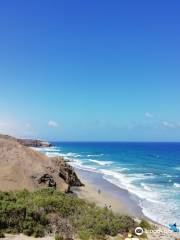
pixel 177 185
pixel 161 212
pixel 46 149
pixel 95 155
pixel 102 163
pixel 78 164
pixel 151 197
pixel 122 169
pixel 68 155
pixel 166 175
pixel 125 182
pixel 146 187
pixel 140 176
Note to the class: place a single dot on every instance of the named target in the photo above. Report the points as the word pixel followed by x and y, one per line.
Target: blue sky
pixel 90 70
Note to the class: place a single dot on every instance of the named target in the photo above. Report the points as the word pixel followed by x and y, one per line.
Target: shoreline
pixel 64 176
pixel 145 198
pixel 90 193
pixel 114 193
pixel 110 193
pixel 119 200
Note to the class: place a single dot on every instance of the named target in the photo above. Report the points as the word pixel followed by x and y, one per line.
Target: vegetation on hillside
pixel 49 211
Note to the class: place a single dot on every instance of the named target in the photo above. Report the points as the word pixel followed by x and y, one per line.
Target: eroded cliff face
pixel 34 143
pixel 58 169
pixel 24 168
pixel 66 172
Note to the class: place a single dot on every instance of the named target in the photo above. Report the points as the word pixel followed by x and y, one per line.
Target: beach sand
pixel 99 197
pixel 122 205
pixel 106 194
pixel 103 198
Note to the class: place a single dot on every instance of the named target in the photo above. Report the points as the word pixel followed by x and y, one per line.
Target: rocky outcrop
pixel 66 172
pixel 23 168
pixel 34 143
pixel 27 142
pixel 47 180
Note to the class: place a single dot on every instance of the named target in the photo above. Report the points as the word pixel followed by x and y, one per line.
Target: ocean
pixel 149 171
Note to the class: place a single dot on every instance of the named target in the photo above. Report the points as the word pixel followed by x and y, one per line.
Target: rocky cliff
pixel 22 167
pixel 34 143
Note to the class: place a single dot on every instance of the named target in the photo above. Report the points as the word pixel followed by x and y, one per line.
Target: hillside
pixel 48 212
pixel 22 167
pixel 33 199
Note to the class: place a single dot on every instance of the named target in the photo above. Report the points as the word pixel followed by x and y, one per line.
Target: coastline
pixel 128 202
pixel 111 196
pixel 119 200
pixel 131 167
pixel 102 193
pixel 90 193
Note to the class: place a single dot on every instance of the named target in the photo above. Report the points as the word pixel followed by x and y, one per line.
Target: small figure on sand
pixel 99 191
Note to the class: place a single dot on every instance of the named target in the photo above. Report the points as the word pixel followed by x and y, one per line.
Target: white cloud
pixel 168 124
pixel 53 124
pixel 148 115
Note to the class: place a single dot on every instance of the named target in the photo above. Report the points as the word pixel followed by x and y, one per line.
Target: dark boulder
pixel 47 180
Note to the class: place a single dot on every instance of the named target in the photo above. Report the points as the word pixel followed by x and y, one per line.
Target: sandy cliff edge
pixel 24 168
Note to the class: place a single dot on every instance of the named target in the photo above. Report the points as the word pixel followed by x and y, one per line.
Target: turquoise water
pixel 151 171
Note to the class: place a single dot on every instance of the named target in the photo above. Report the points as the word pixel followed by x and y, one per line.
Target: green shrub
pixel 39 231
pixel 145 225
pixel 58 237
pixel 84 234
pixel 2 234
pixel 29 213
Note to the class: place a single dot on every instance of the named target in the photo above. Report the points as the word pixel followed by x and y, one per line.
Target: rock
pixel 47 180
pixel 24 168
pixel 67 173
pixel 34 143
pixel 27 142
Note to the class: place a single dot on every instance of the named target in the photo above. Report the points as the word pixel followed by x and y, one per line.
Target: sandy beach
pixel 94 193
pixel 105 194
pixel 94 189
pixel 91 193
